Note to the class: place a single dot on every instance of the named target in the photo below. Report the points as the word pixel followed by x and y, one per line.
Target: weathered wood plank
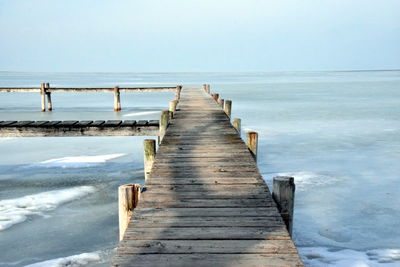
pixel 201 246
pixel 207 260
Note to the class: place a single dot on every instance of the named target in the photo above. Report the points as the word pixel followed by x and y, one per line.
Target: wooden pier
pixel 204 202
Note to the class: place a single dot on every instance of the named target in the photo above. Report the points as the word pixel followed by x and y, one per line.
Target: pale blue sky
pixel 189 35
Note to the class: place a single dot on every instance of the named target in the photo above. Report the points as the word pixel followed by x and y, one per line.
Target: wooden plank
pixel 208 212
pixel 153 122
pixel 208 233
pixel 84 123
pixel 128 123
pixel 112 123
pixel 207 203
pixel 37 123
pixel 207 260
pixel 142 123
pixel 51 123
pixel 67 123
pixel 97 123
pixel 6 123
pixel 21 123
pixel 207 246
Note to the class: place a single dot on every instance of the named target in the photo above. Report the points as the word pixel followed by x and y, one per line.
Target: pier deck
pixel 79 128
pixel 205 202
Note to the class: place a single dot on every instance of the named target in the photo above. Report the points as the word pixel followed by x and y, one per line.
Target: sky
pixel 198 35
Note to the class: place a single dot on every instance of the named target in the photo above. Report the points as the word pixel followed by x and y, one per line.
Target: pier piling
pixel 215 96
pixel 228 108
pixel 117 99
pixel 149 155
pixel 172 107
pixel 237 124
pixel 221 102
pixel 128 198
pixel 178 92
pixel 43 96
pixel 48 94
pixel 164 119
pixel 252 143
pixel 283 194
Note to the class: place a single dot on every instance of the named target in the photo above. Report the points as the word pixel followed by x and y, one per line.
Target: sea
pixel 336 132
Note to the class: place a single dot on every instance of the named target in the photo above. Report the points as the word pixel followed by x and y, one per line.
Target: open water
pixel 336 133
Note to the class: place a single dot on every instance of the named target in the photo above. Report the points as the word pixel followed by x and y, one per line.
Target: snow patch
pixel 14 211
pixel 76 162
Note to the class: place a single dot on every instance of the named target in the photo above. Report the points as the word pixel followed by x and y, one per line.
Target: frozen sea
pixel 336 133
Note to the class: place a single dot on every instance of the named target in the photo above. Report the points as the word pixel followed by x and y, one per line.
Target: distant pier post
pixel 221 102
pixel 43 96
pixel 172 107
pixel 215 96
pixel 228 108
pixel 252 143
pixel 205 87
pixel 283 194
pixel 149 155
pixel 163 124
pixel 178 92
pixel 117 99
pixel 208 90
pixel 48 94
pixel 128 198
pixel 237 124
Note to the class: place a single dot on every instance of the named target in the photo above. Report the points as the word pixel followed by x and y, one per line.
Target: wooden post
pixel 163 124
pixel 237 124
pixel 172 107
pixel 128 198
pixel 215 96
pixel 178 92
pixel 117 99
pixel 48 94
pixel 149 146
pixel 43 96
pixel 205 87
pixel 228 108
pixel 252 143
pixel 208 88
pixel 283 194
pixel 221 102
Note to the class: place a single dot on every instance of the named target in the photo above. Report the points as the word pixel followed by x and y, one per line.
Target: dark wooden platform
pixel 79 128
pixel 205 202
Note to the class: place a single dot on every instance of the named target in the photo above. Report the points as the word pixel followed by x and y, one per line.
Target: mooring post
pixel 163 124
pixel 237 124
pixel 283 194
pixel 221 102
pixel 48 94
pixel 43 96
pixel 117 99
pixel 178 92
pixel 252 143
pixel 208 90
pixel 172 107
pixel 149 146
pixel 205 87
pixel 128 198
pixel 228 108
pixel 215 96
